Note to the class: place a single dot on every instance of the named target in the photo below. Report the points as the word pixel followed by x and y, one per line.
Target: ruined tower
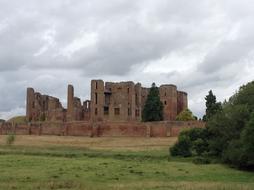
pixel 43 107
pixel 70 103
pixel 97 100
pixel 29 103
pixel 138 102
pixel 120 101
pixel 168 96
pixel 182 101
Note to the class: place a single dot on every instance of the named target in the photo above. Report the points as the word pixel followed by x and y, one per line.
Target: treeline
pixel 229 132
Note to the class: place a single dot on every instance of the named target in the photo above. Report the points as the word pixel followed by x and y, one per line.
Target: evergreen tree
pixel 212 106
pixel 153 109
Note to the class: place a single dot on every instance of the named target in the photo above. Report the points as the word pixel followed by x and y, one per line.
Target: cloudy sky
pixel 197 45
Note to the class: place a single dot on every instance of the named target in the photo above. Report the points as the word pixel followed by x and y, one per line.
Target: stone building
pixel 122 101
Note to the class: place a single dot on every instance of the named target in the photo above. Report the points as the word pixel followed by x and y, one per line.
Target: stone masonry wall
pixel 102 129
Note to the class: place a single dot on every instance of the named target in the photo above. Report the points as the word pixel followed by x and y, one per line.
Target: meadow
pixel 53 162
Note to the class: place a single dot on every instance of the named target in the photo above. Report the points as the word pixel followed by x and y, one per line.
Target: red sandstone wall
pixel 121 129
pixel 8 128
pixel 79 129
pixel 35 130
pixel 158 129
pixel 103 129
pixel 21 130
pixel 177 127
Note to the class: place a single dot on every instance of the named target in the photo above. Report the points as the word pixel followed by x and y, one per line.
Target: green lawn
pixel 51 167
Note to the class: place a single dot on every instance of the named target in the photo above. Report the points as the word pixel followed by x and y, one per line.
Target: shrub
pixel 182 147
pixel 195 133
pixel 191 141
pixel 200 146
pixel 10 139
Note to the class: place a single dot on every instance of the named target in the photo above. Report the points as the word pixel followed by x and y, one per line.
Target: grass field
pixel 51 162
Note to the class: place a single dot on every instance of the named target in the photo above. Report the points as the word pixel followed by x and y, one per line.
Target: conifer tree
pixel 153 109
pixel 212 106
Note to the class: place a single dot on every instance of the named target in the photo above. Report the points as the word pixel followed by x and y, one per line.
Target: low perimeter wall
pixel 102 129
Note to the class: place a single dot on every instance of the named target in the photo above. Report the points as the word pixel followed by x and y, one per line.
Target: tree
pixel 248 142
pixel 212 106
pixel 185 115
pixel 245 96
pixel 240 152
pixel 229 130
pixel 153 109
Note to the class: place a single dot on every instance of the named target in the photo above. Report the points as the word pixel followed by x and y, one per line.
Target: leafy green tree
pixel 212 106
pixel 245 96
pixel 226 126
pixel 240 152
pixel 185 115
pixel 153 109
pixel 248 142
pixel 229 131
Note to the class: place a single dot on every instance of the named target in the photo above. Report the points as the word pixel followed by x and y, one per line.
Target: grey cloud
pixel 229 52
pixel 42 45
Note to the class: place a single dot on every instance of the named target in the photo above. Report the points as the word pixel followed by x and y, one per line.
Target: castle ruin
pixel 122 101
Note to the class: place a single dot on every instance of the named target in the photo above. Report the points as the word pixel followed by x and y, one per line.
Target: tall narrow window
pixel 129 111
pixel 128 90
pixel 96 98
pixel 96 85
pixel 106 110
pixel 117 111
